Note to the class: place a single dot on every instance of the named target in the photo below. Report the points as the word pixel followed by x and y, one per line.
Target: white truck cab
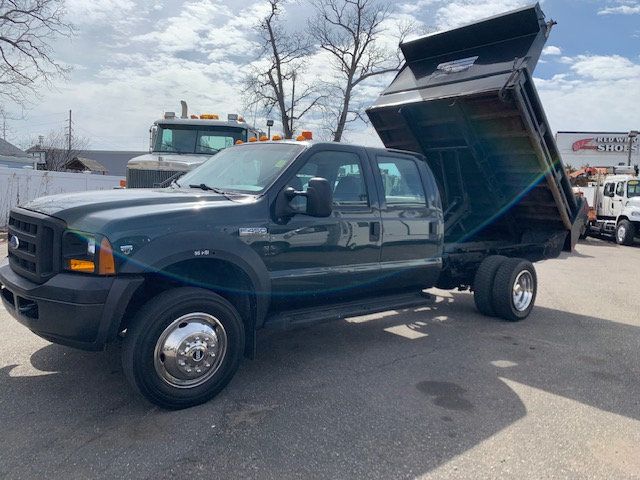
pixel 615 206
pixel 178 145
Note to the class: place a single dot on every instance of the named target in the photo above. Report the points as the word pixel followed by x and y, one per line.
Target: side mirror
pixel 152 137
pixel 319 199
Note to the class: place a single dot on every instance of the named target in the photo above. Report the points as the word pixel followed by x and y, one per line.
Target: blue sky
pixel 134 59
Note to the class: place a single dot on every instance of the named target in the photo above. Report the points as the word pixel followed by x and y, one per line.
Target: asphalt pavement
pixel 437 392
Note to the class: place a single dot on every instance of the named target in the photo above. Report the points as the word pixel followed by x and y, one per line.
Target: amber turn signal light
pixel 106 264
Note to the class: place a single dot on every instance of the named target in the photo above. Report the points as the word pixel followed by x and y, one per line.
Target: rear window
pixel 401 181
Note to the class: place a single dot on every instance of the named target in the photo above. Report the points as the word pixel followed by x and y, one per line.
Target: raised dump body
pixel 465 99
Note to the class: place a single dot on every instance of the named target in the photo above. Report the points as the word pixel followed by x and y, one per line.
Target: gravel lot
pixel 437 392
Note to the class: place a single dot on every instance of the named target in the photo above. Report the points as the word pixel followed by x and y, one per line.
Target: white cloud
pixel 551 50
pixel 455 13
pixel 603 67
pixel 82 12
pixel 622 7
pixel 593 95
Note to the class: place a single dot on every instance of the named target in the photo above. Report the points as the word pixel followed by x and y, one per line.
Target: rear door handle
pixel 374 231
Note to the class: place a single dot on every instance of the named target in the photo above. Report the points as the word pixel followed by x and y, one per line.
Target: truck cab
pixel 615 200
pixel 178 145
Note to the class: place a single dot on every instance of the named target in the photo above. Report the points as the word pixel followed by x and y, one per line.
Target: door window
pixel 608 189
pixel 401 181
pixel 342 170
pixel 620 189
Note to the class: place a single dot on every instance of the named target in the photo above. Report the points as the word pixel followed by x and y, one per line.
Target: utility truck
pixel 468 193
pixel 178 145
pixel 614 204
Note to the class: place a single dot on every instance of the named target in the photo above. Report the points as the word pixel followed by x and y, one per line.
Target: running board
pixel 325 313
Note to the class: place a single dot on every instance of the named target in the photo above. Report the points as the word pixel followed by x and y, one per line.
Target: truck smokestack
pixel 183 104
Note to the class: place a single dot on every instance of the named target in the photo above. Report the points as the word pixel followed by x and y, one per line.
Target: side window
pixel 620 189
pixel 342 170
pixel 401 181
pixel 608 189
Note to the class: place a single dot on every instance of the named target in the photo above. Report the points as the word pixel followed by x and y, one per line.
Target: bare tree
pixel 276 83
pixel 57 150
pixel 350 31
pixel 27 29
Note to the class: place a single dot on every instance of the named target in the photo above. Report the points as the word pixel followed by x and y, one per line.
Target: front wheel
pixel 183 347
pixel 625 231
pixel 514 289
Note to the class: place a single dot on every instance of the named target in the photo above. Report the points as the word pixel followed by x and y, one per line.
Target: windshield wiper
pixel 204 186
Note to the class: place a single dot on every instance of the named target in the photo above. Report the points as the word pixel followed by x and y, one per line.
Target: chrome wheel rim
pixel 190 350
pixel 523 291
pixel 622 231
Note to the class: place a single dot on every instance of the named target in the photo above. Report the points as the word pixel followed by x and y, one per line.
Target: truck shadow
pixel 390 395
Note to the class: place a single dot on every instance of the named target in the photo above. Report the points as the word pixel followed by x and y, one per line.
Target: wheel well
pixel 621 218
pixel 222 277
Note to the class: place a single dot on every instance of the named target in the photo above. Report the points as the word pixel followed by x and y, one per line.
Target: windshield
pixel 633 188
pixel 196 138
pixel 248 168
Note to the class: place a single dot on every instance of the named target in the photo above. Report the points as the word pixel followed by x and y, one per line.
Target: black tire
pixel 142 365
pixel 483 284
pixel 503 288
pixel 625 232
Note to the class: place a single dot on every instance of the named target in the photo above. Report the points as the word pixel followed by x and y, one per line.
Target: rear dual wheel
pixel 505 287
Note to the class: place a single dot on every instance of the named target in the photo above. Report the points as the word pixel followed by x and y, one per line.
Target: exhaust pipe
pixel 183 104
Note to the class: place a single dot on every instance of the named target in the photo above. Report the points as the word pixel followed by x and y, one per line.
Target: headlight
pixel 81 252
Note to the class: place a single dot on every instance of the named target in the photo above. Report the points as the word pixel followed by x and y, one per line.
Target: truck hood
pixel 115 203
pixel 167 161
pixel 634 202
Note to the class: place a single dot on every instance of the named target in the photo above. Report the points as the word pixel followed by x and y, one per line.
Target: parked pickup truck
pixel 280 233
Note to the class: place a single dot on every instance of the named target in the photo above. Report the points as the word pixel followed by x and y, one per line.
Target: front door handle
pixel 374 231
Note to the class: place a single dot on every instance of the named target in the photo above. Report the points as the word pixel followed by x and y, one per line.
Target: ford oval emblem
pixel 14 242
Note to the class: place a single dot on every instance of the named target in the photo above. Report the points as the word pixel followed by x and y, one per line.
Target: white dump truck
pixel 179 144
pixel 614 202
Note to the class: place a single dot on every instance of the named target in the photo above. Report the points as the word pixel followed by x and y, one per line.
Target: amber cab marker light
pixel 253 139
pixel 239 142
pixel 308 135
pixel 276 138
pixel 83 266
pixel 264 138
pixel 106 264
pixel 300 138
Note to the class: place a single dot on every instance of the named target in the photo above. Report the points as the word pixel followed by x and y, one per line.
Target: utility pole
pixel 69 130
pixel 632 135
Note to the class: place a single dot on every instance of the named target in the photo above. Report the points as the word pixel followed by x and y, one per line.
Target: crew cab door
pixel 309 255
pixel 412 233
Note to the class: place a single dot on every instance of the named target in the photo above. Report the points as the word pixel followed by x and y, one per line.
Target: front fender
pixel 170 249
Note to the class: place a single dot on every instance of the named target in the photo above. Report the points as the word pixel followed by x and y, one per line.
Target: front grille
pixel 35 253
pixel 148 178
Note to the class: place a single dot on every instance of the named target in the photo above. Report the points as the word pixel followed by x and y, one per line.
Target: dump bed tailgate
pixel 466 100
